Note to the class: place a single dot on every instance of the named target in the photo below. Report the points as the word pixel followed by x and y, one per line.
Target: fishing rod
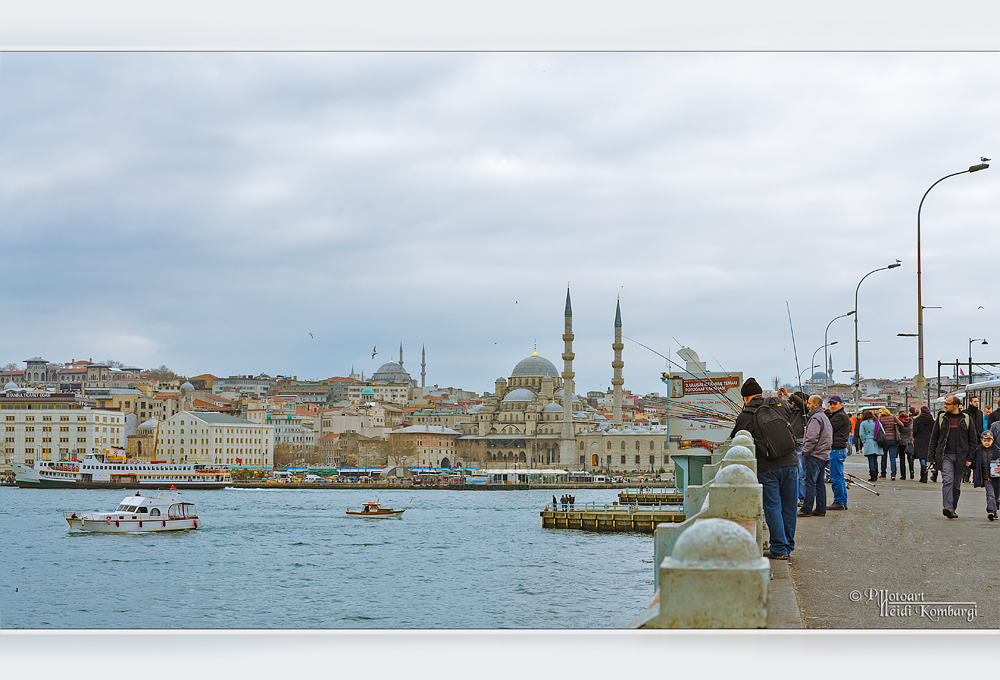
pixel 732 403
pixel 795 351
pixel 711 387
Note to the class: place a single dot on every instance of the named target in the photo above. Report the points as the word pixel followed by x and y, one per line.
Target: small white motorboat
pixel 374 510
pixel 165 512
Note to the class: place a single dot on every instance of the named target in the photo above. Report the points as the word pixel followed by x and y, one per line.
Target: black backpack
pixel 772 432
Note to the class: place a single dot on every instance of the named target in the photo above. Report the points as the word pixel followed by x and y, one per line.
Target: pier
pixel 610 517
pixel 651 497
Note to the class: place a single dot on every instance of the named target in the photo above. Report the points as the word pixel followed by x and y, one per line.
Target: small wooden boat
pixel 375 510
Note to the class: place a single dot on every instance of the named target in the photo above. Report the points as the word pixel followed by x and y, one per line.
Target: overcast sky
pixel 208 211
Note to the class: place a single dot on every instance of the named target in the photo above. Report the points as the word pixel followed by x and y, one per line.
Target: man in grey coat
pixel 817 443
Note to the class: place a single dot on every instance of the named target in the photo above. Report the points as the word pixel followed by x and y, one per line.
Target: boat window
pixel 155 512
pixel 143 509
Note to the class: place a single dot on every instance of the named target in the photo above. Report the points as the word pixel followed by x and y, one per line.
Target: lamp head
pixel 977 168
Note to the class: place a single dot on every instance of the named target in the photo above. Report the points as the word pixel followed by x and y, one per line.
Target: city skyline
pixel 284 213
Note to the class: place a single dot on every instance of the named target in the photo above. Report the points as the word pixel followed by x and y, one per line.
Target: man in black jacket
pixel 841 431
pixel 953 444
pixel 780 478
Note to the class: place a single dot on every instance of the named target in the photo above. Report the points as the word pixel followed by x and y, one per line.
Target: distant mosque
pixel 535 419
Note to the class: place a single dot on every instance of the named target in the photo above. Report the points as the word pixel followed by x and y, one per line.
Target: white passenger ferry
pixel 109 471
pixel 165 512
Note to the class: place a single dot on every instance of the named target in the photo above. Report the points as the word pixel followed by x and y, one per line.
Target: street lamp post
pixel 972 340
pixel 826 358
pixel 824 353
pixel 920 308
pixel 857 355
pixel 807 369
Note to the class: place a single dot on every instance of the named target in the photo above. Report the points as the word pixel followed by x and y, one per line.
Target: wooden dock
pixel 603 517
pixel 651 497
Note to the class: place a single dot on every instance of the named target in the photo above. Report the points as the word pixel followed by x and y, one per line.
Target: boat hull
pixel 376 515
pixel 164 486
pixel 100 526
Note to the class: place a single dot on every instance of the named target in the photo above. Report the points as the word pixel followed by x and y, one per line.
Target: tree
pixel 284 455
pixel 9 367
pixel 401 453
pixel 160 373
pixel 113 363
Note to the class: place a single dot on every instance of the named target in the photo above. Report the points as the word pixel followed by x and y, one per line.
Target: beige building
pixel 431 446
pixel 40 425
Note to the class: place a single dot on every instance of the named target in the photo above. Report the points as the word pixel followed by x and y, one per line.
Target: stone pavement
pixel 900 543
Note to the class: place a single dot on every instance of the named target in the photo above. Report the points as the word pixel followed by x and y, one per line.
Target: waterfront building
pixel 390 383
pixel 213 438
pixel 423 446
pixel 43 425
pixel 368 420
pixel 248 385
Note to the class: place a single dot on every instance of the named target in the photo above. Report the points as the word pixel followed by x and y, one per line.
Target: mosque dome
pixel 520 394
pixel 187 386
pixel 534 367
pixel 818 375
pixel 10 386
pixel 553 408
pixel 391 373
pixel 366 391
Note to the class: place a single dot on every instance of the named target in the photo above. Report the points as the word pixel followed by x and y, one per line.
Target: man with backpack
pixel 953 444
pixel 767 420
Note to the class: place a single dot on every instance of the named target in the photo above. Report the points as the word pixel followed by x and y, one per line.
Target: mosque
pixel 535 419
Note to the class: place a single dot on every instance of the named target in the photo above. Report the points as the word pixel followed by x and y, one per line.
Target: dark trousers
pixel 904 458
pixel 952 469
pixel 815 485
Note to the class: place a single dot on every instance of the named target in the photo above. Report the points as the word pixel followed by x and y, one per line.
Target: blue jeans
pixel 780 496
pixel 837 476
pixel 890 453
pixel 802 473
pixel 873 463
pixel 815 485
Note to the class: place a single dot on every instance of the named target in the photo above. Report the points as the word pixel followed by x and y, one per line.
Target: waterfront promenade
pixel 898 542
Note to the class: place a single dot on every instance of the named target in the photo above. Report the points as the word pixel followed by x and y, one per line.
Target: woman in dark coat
pixel 922 426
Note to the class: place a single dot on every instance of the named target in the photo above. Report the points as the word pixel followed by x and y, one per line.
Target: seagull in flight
pixel 983 159
pixel 374 352
pixel 311 336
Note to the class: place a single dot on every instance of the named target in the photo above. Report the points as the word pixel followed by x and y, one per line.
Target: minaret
pixel 423 366
pixel 617 364
pixel 568 374
pixel 400 355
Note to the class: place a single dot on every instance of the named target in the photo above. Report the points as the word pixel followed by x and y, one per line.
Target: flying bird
pixel 981 307
pixel 374 352
pixel 983 159
pixel 311 336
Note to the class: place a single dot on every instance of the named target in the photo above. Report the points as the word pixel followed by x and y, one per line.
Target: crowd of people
pixel 798 441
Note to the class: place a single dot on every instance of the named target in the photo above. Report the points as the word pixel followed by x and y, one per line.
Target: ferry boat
pixel 109 471
pixel 373 510
pixel 165 512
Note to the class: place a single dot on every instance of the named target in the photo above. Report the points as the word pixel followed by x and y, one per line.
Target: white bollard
pixel 737 496
pixel 741 455
pixel 714 579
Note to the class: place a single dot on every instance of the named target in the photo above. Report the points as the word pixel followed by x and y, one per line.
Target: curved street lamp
pixel 824 353
pixel 857 359
pixel 826 357
pixel 920 308
pixel 972 340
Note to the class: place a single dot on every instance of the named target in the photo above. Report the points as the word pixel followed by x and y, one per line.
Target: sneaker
pixel 773 556
pixel 949 513
pixel 817 513
pixel 991 516
pixel 881 476
pixel 892 478
pixel 836 506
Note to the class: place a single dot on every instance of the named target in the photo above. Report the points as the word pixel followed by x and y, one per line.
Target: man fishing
pixel 767 420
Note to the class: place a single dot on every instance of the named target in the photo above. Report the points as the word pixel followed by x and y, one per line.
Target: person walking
pixel 922 426
pixel 904 447
pixel 992 418
pixel 979 422
pixel 953 444
pixel 777 474
pixel 889 423
pixel 816 445
pixel 842 427
pixel 866 435
pixel 986 472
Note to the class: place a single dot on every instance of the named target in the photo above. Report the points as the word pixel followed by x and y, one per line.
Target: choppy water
pixel 274 559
